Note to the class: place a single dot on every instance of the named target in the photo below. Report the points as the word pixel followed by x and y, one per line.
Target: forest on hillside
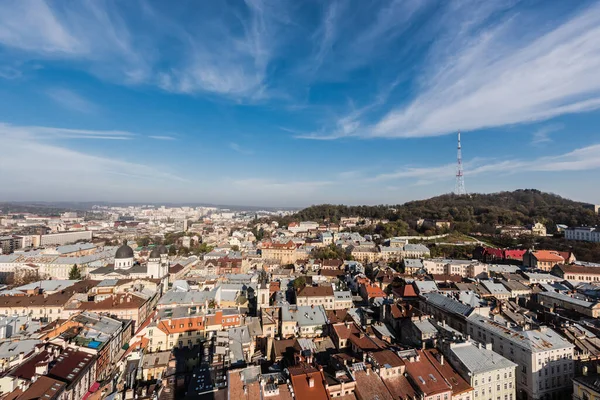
pixel 469 213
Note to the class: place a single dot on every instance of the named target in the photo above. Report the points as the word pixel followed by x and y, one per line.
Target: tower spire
pixel 460 179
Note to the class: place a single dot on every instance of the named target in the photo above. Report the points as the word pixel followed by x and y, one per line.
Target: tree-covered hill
pixel 468 213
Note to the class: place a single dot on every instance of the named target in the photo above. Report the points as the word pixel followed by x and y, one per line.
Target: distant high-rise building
pixel 460 179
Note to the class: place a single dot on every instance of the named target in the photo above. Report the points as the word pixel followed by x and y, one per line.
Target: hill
pixel 471 213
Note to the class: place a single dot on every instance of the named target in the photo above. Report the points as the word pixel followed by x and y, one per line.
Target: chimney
pixel 368 371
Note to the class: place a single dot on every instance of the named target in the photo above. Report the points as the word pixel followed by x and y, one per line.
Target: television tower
pixel 460 179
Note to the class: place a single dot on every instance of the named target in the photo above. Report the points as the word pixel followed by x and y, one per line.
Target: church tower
pixel 158 263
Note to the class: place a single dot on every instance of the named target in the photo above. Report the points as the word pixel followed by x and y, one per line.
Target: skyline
pixel 285 104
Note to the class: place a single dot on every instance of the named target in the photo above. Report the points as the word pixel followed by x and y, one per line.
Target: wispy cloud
pixel 542 135
pixel 162 137
pixel 44 132
pixel 8 72
pixel 582 159
pixel 37 166
pixel 72 100
pixel 481 73
pixel 240 149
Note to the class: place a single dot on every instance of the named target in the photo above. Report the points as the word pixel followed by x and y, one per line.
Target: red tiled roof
pixel 408 291
pixel 514 254
pixel 308 383
pixel 548 256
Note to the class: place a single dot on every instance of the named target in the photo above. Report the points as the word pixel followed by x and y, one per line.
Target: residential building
pixel 583 233
pixel 491 375
pixel 553 300
pixel 542 259
pixel 342 300
pixel 284 253
pixel 586 387
pixel 577 273
pixel 544 357
pixel 316 296
pixel 365 253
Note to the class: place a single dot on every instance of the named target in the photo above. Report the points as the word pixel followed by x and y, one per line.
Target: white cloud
pixel 240 149
pixel 162 137
pixel 481 74
pixel 582 159
pixel 72 100
pixel 542 135
pixel 44 132
pixel 33 26
pixel 496 80
pixel 37 168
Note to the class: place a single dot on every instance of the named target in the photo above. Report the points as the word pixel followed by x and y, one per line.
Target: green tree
pixel 143 241
pixel 299 282
pixel 75 273
pixel 172 250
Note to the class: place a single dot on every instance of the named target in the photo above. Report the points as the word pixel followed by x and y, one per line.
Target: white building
pixel 545 359
pixel 491 375
pixel 583 233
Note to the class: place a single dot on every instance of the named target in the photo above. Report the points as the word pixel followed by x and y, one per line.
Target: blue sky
pixel 291 103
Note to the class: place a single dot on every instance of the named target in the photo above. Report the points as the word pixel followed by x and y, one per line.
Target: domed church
pixel 125 266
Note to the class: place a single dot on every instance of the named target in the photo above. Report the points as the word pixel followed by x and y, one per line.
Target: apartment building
pixel 187 326
pixel 583 233
pixel 365 253
pixel 464 268
pixel 284 253
pixel 542 259
pixel 491 375
pixel 545 359
pixel 577 273
pixel 316 296
pixel 553 299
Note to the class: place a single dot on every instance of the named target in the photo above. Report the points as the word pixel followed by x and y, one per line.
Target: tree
pixel 143 241
pixel 75 273
pixel 235 247
pixel 172 250
pixel 299 282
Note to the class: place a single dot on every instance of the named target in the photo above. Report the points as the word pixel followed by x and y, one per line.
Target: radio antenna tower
pixel 460 179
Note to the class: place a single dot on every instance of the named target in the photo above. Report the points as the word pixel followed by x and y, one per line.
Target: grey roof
pixel 416 247
pixel 426 286
pixel 48 286
pixel 174 298
pixel 495 288
pixel 343 295
pixel 304 315
pixel 71 248
pixel 500 268
pixel 568 299
pixel 8 258
pixel 515 285
pixel 413 263
pixel 544 339
pixel 425 326
pixel 153 360
pixel 108 283
pixel 448 303
pixel 478 359
pixel 100 323
pixel 13 348
pixel 541 276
